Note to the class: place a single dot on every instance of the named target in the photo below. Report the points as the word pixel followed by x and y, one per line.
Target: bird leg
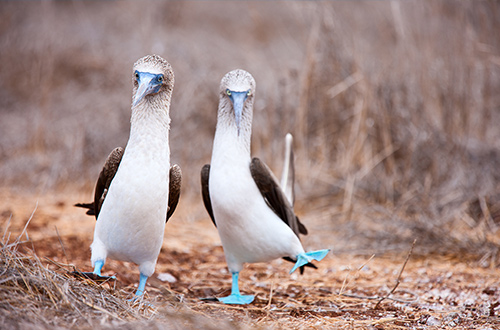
pixel 140 290
pixel 98 266
pixel 307 257
pixel 235 297
pixel 142 285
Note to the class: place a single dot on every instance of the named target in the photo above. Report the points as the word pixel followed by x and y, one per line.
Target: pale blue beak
pixel 149 84
pixel 238 99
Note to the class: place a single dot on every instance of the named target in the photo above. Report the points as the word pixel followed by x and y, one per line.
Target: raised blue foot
pixel 235 298
pixel 307 257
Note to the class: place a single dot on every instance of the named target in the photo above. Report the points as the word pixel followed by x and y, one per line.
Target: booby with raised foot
pixel 137 190
pixel 253 214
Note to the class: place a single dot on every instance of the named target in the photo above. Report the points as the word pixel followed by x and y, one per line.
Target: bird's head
pixel 238 86
pixel 152 75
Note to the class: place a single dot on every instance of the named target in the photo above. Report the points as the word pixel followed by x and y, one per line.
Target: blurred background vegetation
pixel 394 105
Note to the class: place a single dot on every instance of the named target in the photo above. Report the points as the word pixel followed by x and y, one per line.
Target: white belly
pixel 250 231
pixel 132 219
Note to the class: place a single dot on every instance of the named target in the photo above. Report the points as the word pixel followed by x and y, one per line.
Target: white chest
pixel 132 219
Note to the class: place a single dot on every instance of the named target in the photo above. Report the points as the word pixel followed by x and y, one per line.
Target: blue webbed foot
pixel 237 299
pixel 94 277
pixel 307 257
pixel 96 274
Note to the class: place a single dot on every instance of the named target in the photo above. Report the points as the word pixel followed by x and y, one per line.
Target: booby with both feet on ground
pixel 137 190
pixel 252 213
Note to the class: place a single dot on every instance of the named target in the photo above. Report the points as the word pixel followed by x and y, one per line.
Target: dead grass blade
pixel 398 280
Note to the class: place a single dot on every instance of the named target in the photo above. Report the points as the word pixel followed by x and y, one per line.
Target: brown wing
pixel 102 185
pixel 174 191
pixel 105 177
pixel 277 201
pixel 205 193
pixel 274 195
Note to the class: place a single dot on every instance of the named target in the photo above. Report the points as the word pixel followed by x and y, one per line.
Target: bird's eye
pixel 228 92
pixel 136 75
pixel 160 79
pixel 249 92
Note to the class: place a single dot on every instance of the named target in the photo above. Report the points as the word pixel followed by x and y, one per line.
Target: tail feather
pixel 288 173
pixel 89 206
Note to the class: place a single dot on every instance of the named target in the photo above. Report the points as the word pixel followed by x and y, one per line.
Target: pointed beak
pixel 148 84
pixel 238 99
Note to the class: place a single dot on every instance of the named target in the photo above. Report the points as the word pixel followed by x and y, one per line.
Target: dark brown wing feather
pixel 105 177
pixel 274 196
pixel 205 193
pixel 174 191
pixel 102 185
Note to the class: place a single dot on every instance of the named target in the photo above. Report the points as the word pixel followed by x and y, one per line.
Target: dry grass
pixel 49 299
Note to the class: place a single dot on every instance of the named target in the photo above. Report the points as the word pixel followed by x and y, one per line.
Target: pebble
pixel 432 321
pixel 167 277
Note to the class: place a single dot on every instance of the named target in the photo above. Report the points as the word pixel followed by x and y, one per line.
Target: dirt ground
pixel 434 291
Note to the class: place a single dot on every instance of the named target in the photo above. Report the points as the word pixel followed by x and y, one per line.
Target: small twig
pixel 399 276
pixel 344 284
pixel 7 279
pixel 99 308
pixel 487 214
pixel 59 264
pixel 62 245
pixel 404 301
pixel 63 295
pixel 5 232
pixel 357 296
pixel 345 84
pixel 26 226
pixel 270 296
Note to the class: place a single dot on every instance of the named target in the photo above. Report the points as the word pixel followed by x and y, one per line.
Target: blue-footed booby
pixel 252 213
pixel 137 191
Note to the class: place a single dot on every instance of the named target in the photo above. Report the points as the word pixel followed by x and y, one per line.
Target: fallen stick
pixel 399 276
